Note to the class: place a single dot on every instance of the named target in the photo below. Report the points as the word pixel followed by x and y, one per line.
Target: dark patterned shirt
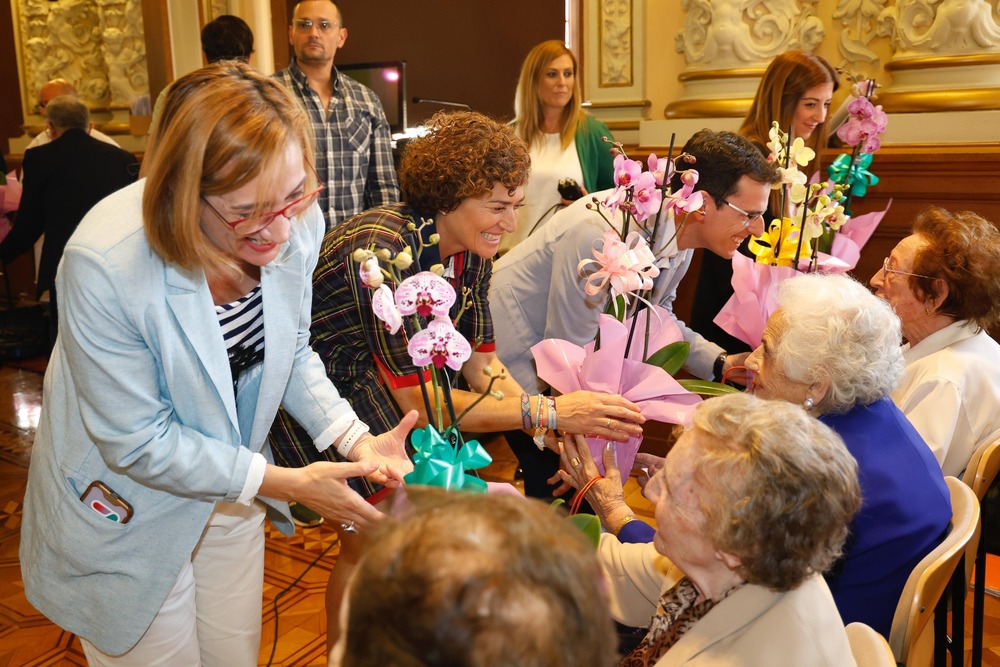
pixel 361 356
pixel 353 145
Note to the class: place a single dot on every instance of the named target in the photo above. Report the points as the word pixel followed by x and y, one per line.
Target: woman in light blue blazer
pixel 186 302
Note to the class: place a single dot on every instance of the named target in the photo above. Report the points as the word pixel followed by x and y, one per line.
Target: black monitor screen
pixel 388 81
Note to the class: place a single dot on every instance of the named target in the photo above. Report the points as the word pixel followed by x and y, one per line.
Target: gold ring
pixel 609 422
pixel 575 462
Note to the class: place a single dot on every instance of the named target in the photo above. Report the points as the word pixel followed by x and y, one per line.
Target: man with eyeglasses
pixel 353 145
pixel 538 293
pixel 56 88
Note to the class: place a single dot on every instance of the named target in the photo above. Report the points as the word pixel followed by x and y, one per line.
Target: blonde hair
pixel 221 127
pixel 528 107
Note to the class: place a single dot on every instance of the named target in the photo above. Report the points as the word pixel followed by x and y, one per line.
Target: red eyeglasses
pixel 255 223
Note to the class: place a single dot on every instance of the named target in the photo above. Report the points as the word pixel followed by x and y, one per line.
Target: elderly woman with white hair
pixel 754 502
pixel 833 347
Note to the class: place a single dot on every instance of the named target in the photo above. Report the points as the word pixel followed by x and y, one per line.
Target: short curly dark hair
pixel 464 155
pixel 963 250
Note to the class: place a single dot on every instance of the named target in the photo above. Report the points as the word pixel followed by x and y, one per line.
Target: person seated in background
pixel 537 291
pixel 796 91
pixel 753 504
pixel 833 347
pixel 564 142
pixel 48 92
pixel 478 581
pixel 466 177
pixel 63 180
pixel 225 37
pixel 944 283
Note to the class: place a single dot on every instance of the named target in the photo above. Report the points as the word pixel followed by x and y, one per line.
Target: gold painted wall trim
pixel 618 105
pixel 714 74
pixel 708 108
pixel 931 62
pixel 622 125
pixel 969 99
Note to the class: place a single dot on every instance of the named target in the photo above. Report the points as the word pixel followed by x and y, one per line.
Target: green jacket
pixel 595 155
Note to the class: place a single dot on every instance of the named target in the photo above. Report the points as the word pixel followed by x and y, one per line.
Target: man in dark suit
pixel 62 181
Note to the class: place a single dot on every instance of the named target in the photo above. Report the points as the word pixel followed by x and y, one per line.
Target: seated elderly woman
pixel 514 585
pixel 753 503
pixel 832 347
pixel 944 282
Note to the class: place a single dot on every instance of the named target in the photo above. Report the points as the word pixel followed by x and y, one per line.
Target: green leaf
pixel 670 357
pixel 616 307
pixel 589 524
pixel 707 388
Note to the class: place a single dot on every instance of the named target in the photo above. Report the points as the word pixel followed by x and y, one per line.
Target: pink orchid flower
pixel 439 344
pixel 384 307
pixel 618 199
pixel 687 199
pixel 866 124
pixel 647 197
pixel 628 266
pixel 626 171
pixel 425 294
pixel 371 273
pixel 661 168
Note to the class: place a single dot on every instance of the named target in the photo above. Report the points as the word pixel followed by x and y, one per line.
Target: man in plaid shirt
pixel 353 146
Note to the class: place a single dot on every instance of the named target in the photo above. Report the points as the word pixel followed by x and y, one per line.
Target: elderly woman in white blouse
pixel 944 282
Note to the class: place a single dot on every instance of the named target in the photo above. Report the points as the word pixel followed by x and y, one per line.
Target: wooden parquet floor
pixel 296 568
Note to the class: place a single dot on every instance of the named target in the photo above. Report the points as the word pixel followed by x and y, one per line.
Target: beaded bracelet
pixel 552 412
pixel 525 412
pixel 540 429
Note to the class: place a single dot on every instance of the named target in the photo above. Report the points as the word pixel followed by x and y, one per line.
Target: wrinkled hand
pixel 606 496
pixel 647 465
pixel 603 415
pixel 324 489
pixel 388 451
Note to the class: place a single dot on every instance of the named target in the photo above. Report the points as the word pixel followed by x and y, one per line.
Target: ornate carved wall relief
pixel 95 44
pixel 615 26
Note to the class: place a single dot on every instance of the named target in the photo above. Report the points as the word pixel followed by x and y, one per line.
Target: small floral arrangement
pixel 419 306
pixel 863 130
pixel 786 241
pixel 625 264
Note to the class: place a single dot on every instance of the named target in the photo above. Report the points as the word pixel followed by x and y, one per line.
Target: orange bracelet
pixel 578 498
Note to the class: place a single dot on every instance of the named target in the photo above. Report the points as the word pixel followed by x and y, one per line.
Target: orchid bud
pixel 411 227
pixel 497 395
pixel 383 253
pixel 403 260
pixel 488 372
pixel 434 239
pixel 361 255
pixel 438 269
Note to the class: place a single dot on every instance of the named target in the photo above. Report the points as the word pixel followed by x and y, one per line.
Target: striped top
pixel 242 323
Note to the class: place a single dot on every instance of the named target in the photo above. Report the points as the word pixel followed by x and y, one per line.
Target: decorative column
pixel 727 45
pixel 614 71
pixel 946 56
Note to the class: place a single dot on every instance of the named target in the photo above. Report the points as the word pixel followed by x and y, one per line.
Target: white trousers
pixel 212 617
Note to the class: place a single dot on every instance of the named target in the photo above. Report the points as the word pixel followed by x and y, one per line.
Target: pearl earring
pixel 809 403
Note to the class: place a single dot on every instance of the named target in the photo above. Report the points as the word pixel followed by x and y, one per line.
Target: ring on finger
pixel 575 462
pixel 348 528
pixel 609 422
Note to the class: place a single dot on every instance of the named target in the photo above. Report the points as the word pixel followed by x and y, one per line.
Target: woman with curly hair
pixel 944 282
pixel 753 504
pixel 466 177
pixel 833 347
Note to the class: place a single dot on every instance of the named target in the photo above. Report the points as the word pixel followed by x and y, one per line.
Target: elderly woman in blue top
pixel 833 347
pixel 186 302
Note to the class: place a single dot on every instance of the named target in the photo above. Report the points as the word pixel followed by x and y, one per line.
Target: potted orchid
pixel 638 347
pixel 863 131
pixel 419 307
